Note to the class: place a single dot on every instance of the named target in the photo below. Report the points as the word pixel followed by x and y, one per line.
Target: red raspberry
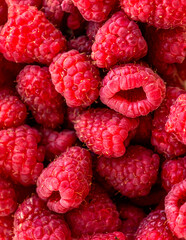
pixel 164 142
pixel 155 227
pixel 36 3
pixel 68 6
pixel 92 28
pixel 57 142
pixel 32 221
pixel 6 228
pixel 132 174
pixel 175 209
pixel 132 90
pixel 20 154
pixel 81 44
pixel 75 20
pixel 28 36
pixel 8 201
pixel 13 112
pixel 76 78
pixel 159 13
pixel 35 87
pixel 118 40
pixel 72 114
pixel 96 11
pixel 104 236
pixel 97 214
pixel 104 131
pixel 65 183
pixel 3 12
pixel 173 171
pixel 176 123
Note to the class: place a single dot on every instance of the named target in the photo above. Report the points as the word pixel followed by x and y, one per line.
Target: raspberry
pixel 160 14
pixel 175 209
pixel 118 40
pixel 97 214
pixel 33 221
pixel 154 227
pixel 72 114
pixel 164 142
pixel 104 131
pixel 12 111
pixel 36 3
pixel 3 12
pixel 8 201
pixel 81 44
pixel 28 36
pixel 132 90
pixel 65 183
pixel 96 11
pixel 20 154
pixel 132 174
pixel 105 236
pixel 75 78
pixel 68 6
pixel 92 28
pixel 36 89
pixel 75 20
pixel 173 171
pixel 57 142
pixel 6 228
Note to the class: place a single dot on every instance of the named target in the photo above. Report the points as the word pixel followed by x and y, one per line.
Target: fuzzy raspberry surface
pixel 119 40
pixel 29 37
pixel 132 90
pixel 35 87
pixel 104 131
pixel 105 236
pixel 161 14
pixel 3 12
pixel 65 183
pixel 97 214
pixel 81 44
pixel 6 228
pixel 21 155
pixel 36 3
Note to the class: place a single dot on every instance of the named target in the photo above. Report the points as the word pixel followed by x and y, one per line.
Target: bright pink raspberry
pixel 33 221
pixel 92 28
pixel 104 131
pixel 21 155
pixel 13 111
pixel 36 3
pixel 35 87
pixel 6 228
pixel 133 174
pixel 104 236
pixel 81 44
pixel 132 90
pixel 8 201
pixel 55 142
pixel 3 12
pixel 75 78
pixel 65 183
pixel 97 214
pixel 176 122
pixel 173 171
pixel 161 14
pixel 119 40
pixel 155 227
pixel 29 37
pixel 96 11
pixel 164 142
pixel 175 209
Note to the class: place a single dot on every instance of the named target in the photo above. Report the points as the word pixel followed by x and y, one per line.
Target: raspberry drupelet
pixel 36 3
pixel 104 131
pixel 82 44
pixel 104 236
pixel 6 228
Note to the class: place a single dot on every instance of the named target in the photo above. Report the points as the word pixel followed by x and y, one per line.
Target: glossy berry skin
pixel 132 174
pixel 36 89
pixel 132 90
pixel 119 40
pixel 29 37
pixel 6 228
pixel 75 78
pixel 104 131
pixel 104 236
pixel 21 155
pixel 65 183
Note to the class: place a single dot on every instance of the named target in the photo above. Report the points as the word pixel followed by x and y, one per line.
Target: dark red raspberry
pixel 75 20
pixel 6 228
pixel 118 40
pixel 3 12
pixel 65 183
pixel 155 227
pixel 104 236
pixel 36 3
pixel 175 209
pixel 36 89
pixel 132 90
pixel 160 14
pixel 164 142
pixel 32 221
pixel 68 6
pixel 28 36
pixel 81 44
pixel 97 214
pixel 173 171
pixel 76 78
pixel 132 174
pixel 20 154
pixel 72 114
pixel 12 110
pixel 104 131
pixel 8 201
pixel 92 28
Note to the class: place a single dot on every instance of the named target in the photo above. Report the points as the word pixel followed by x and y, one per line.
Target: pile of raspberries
pixel 92 120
